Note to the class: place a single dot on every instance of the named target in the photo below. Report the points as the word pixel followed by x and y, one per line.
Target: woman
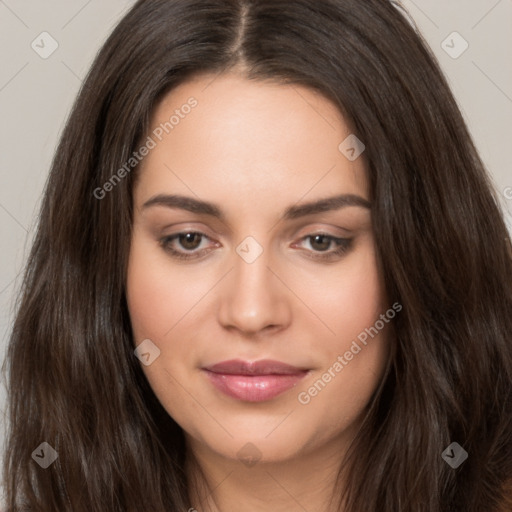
pixel 270 273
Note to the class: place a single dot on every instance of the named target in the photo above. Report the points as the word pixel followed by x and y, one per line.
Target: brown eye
pixel 320 242
pixel 190 241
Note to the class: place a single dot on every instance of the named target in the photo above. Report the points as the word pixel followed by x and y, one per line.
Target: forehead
pixel 257 138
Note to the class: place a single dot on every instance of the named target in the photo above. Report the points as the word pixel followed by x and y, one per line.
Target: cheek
pixel 351 369
pixel 349 298
pixel 158 295
pixel 159 298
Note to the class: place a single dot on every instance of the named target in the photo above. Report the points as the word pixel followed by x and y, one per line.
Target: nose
pixel 253 300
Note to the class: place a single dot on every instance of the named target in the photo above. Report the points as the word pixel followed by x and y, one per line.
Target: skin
pixel 255 148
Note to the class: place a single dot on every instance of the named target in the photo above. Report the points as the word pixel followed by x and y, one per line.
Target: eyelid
pixel 324 228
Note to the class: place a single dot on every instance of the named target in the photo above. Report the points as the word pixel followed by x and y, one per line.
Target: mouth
pixel 254 382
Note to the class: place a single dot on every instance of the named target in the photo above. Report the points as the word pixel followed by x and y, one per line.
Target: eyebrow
pixel 292 212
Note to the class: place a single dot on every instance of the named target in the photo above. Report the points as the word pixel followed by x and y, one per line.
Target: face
pixel 231 263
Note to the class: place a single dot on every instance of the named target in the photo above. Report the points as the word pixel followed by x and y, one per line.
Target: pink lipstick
pixel 254 382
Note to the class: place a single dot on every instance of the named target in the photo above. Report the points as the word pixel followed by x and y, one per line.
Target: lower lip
pixel 255 388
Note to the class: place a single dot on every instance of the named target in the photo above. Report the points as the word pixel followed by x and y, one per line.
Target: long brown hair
pixel 441 241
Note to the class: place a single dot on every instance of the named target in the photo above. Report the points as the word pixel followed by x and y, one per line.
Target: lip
pixel 258 381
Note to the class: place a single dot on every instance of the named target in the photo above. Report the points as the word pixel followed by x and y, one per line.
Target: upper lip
pixel 262 367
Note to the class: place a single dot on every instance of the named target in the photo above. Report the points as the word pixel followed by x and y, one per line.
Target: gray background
pixel 36 95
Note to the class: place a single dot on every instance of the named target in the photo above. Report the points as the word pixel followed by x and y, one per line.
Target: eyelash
pixel 344 244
